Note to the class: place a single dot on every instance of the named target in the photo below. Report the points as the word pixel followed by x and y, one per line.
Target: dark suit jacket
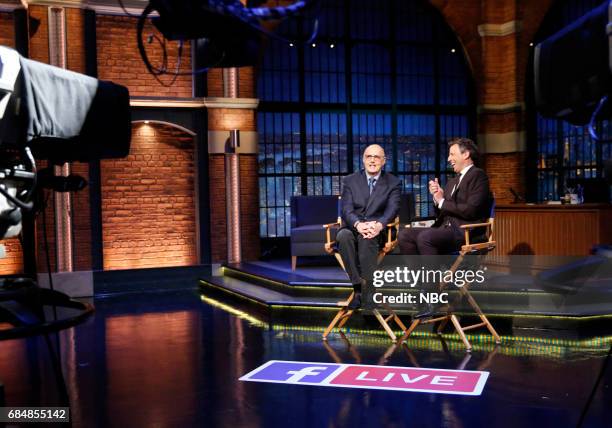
pixel 358 205
pixel 471 202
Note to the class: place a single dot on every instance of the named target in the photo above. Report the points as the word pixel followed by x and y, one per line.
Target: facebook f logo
pixel 297 375
pixel 290 372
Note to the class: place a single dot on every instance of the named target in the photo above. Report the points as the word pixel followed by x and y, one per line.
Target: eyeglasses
pixel 374 157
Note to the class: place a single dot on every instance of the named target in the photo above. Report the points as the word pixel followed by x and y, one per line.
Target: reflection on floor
pixel 173 359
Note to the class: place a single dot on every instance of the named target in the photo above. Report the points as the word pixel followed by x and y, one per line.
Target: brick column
pixel 495 35
pixel 501 133
pixel 225 114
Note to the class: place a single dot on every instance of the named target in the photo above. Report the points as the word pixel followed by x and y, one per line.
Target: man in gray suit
pixel 370 200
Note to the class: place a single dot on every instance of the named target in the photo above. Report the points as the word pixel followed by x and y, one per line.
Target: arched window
pixel 389 72
pixel 563 154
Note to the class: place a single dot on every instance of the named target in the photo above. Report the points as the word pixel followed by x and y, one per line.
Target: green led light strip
pixel 484 342
pixel 489 314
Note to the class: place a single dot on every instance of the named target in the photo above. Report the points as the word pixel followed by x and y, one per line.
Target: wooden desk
pixel 560 230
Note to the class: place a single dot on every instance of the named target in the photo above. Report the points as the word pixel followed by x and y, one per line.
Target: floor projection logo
pixel 462 382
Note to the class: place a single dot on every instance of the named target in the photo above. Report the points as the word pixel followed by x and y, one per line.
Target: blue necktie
pixel 371 184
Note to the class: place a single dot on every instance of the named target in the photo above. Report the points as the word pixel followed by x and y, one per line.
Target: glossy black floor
pixel 173 359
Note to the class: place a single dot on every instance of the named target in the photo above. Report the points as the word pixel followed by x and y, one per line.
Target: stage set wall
pixel 164 205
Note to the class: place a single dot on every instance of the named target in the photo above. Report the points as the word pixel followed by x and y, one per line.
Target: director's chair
pixel 476 249
pixel 392 231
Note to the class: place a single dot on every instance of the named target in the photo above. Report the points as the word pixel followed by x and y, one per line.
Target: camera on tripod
pixel 48 113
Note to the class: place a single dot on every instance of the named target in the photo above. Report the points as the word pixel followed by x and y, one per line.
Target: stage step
pixel 287 283
pixel 273 296
pixel 278 289
pixel 262 294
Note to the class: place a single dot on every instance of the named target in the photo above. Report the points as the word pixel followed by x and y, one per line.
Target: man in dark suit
pixel 370 200
pixel 465 199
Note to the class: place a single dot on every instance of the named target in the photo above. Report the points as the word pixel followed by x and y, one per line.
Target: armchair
pixel 308 213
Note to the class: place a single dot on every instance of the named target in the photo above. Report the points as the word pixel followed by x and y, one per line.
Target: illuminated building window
pixel 389 72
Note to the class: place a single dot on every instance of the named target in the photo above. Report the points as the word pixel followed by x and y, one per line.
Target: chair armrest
pixel 335 224
pixel 469 227
pixel 390 227
pixel 328 242
pixel 473 225
pixel 395 223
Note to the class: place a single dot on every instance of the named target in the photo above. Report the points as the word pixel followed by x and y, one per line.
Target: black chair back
pixel 307 210
pixel 407 210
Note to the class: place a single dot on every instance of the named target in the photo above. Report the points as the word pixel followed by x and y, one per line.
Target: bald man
pixel 370 200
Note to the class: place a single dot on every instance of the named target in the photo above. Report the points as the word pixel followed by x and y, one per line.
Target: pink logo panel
pixel 412 379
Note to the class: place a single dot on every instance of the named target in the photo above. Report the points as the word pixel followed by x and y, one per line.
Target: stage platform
pixel 309 296
pixel 174 359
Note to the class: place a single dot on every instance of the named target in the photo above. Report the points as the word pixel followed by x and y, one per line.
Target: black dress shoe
pixel 355 302
pixel 429 311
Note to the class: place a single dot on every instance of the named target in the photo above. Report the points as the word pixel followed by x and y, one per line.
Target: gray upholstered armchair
pixel 308 215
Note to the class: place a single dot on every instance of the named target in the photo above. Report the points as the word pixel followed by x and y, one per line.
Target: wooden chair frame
pixel 466 249
pixel 345 313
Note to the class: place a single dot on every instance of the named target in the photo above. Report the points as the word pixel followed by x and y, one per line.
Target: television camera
pixel 48 113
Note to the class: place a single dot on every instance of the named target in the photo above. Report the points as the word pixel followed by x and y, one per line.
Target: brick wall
pixel 214 82
pixel 13 262
pixel 218 213
pixel 148 208
pixel 81 221
pixel 249 207
pixel 498 12
pixel 224 119
pixel 7 29
pixel 500 122
pixel 75 40
pixel 39 41
pixel 506 170
pixel 499 84
pixel 119 60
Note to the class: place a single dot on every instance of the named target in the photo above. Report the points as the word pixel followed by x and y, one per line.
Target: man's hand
pixel 438 196
pixel 372 230
pixel 434 186
pixel 363 227
pixel 436 191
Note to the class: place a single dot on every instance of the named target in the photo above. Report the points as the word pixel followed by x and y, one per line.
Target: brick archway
pixel 148 200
